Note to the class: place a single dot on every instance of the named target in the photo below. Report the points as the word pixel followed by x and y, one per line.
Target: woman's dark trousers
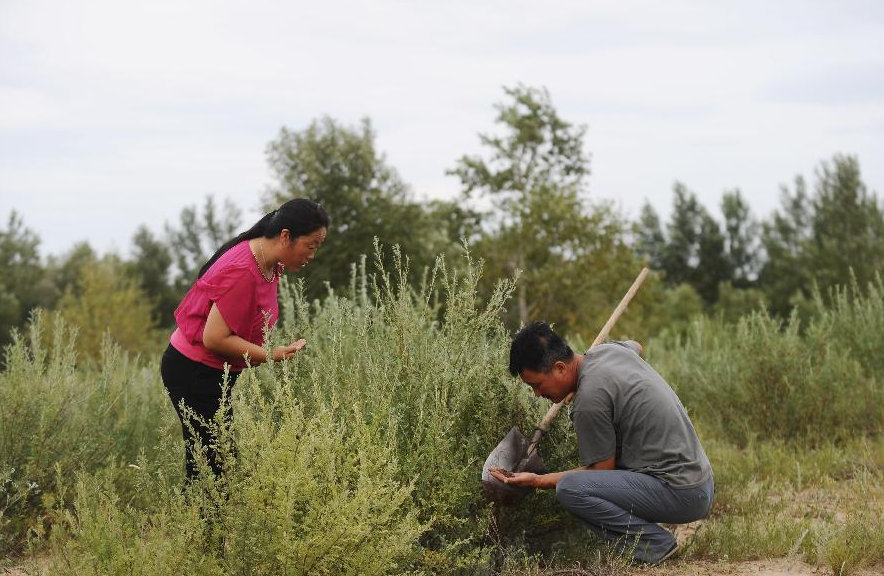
pixel 199 386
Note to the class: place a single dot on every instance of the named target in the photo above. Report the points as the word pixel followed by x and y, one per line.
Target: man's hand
pixel 526 479
pixel 543 481
pixel 283 352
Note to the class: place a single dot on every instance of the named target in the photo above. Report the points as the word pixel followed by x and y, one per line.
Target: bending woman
pixel 222 317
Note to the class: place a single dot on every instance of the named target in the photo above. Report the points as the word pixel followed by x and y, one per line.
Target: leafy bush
pixel 362 455
pixel 304 497
pixel 105 301
pixel 763 379
pixel 57 418
pixel 425 370
pixel 853 320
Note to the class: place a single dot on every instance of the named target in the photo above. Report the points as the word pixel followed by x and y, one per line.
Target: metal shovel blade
pixel 507 455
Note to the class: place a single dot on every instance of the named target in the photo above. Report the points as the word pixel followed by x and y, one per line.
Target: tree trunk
pixel 523 294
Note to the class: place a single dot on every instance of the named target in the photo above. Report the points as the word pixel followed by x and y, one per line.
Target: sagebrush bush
pixel 765 379
pixel 59 415
pixel 362 455
pixel 425 369
pixel 301 495
pixel 852 318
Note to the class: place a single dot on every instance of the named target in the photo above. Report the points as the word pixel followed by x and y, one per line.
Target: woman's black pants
pixel 199 386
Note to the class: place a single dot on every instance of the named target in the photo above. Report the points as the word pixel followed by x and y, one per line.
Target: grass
pixel 817 504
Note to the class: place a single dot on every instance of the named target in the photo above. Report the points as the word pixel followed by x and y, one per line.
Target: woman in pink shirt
pixel 224 316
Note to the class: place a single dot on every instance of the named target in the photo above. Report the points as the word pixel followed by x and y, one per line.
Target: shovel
pixel 515 453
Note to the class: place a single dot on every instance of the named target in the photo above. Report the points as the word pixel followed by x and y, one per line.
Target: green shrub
pixel 361 455
pixel 858 544
pixel 427 371
pixel 762 379
pixel 853 320
pixel 58 417
pixel 302 495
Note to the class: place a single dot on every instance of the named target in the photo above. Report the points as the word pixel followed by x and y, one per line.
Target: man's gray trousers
pixel 623 507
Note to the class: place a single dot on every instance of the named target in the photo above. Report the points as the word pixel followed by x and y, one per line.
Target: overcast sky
pixel 116 113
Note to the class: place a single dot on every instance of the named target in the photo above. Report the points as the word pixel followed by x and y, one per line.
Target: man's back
pixel 624 408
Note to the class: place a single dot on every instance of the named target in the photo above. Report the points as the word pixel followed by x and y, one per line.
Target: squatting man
pixel 641 461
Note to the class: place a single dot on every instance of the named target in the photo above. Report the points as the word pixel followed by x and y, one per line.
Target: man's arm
pixel 545 481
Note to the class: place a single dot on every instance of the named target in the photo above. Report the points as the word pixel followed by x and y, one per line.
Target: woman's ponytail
pixel 300 216
pixel 259 229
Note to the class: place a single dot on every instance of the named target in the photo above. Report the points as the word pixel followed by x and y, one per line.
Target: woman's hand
pixel 283 352
pixel 528 479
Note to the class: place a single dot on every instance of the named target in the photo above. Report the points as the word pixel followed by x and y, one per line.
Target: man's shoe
pixel 672 552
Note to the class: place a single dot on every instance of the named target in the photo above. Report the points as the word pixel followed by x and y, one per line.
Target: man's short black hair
pixel 537 347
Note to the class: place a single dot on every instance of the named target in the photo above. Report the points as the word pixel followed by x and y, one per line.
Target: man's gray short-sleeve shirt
pixel 624 408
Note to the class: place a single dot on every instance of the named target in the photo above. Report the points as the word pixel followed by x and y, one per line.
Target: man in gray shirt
pixel 641 461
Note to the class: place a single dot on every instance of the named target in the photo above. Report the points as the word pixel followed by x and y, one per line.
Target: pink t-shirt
pixel 246 300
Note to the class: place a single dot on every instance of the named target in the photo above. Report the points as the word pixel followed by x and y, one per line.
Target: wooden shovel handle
pixel 606 329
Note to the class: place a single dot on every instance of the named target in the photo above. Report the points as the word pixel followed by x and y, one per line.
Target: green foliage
pixel 775 501
pixel 304 496
pixel 734 302
pixel 765 379
pixel 694 252
pixel 852 317
pixel 340 167
pixel 23 283
pixel 370 440
pixel 857 544
pixel 823 239
pixel 650 242
pixel 573 258
pixel 151 266
pixel 196 237
pixel 680 306
pixel 66 270
pixel 847 227
pixel 363 454
pixel 425 370
pixel 783 237
pixel 58 417
pixel 106 301
pixel 742 238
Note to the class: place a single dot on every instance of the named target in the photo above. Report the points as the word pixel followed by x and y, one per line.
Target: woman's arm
pixel 219 339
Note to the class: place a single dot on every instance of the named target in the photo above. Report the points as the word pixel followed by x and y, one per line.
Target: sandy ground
pixel 778 567
pixel 775 567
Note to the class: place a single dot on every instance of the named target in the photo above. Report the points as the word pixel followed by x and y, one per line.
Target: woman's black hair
pixel 300 216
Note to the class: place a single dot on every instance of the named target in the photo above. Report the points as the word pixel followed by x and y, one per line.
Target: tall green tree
pixel 198 234
pixel 23 282
pixel 825 239
pixel 151 266
pixel 66 269
pixel 784 237
pixel 573 256
pixel 713 267
pixel 650 242
pixel 742 239
pixel 340 167
pixel 106 301
pixel 681 254
pixel 847 226
pixel 695 250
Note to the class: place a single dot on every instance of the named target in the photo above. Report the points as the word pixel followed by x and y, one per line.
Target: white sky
pixel 115 113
